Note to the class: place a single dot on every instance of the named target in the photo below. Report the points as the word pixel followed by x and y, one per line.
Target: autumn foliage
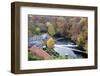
pixel 72 27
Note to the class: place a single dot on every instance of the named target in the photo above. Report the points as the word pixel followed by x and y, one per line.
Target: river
pixel 67 47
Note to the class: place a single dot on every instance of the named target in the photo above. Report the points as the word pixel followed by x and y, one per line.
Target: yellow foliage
pixel 80 39
pixel 37 29
pixel 51 29
pixel 50 43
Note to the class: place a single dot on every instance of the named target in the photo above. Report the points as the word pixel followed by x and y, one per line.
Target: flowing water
pixel 66 47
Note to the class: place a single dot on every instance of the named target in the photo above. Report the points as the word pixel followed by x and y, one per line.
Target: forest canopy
pixel 75 27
